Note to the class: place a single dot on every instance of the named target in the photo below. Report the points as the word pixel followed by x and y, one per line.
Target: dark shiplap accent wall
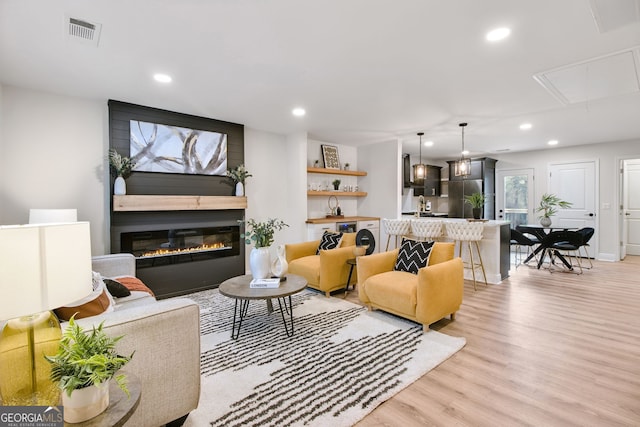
pixel 120 113
pixel 180 278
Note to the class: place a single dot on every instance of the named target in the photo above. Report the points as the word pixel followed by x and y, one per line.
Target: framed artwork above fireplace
pixel 162 148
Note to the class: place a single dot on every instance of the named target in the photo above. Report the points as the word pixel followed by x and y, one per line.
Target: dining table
pixel 541 232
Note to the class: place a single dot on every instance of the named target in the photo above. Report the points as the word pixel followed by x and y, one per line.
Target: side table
pixel 120 406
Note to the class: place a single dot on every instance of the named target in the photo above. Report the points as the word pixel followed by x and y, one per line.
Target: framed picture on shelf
pixel 330 156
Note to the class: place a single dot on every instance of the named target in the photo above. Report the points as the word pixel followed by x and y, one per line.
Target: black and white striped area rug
pixel 341 363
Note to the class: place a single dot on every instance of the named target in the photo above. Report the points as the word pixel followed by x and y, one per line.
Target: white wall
pixel 277 188
pixel 53 156
pixel 382 183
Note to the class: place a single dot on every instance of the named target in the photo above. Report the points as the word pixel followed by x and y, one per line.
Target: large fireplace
pixel 181 252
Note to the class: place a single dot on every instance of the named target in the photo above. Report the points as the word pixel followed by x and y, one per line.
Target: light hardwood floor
pixel 543 349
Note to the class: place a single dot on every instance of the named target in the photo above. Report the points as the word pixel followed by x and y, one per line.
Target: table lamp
pixel 42 267
pixel 46 216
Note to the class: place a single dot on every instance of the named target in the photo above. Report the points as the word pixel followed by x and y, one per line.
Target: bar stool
pixel 470 232
pixel 395 227
pixel 426 229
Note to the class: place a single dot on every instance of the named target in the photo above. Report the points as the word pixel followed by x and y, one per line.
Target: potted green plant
pixel 122 167
pixel 476 200
pixel 549 204
pixel 336 184
pixel 82 367
pixel 261 235
pixel 238 175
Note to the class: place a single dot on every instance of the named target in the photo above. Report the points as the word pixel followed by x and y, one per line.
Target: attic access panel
pixel 602 77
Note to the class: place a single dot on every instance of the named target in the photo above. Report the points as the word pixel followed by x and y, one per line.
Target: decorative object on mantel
pixel 238 175
pixel 122 167
pixel 336 184
pixel 82 367
pixel 261 235
pixel 346 166
pixel 330 156
pixel 463 166
pixel 279 266
pixel 549 204
pixel 476 200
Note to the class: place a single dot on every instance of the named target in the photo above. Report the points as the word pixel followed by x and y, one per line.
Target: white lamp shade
pixel 44 216
pixel 43 267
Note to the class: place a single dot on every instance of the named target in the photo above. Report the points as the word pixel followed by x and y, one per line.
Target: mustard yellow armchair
pixel 326 272
pixel 435 292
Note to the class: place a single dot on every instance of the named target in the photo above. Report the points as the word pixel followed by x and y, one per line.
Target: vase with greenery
pixel 336 184
pixel 238 175
pixel 121 167
pixel 476 200
pixel 549 205
pixel 84 364
pixel 260 234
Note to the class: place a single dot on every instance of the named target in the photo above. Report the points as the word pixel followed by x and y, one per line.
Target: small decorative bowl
pixel 359 250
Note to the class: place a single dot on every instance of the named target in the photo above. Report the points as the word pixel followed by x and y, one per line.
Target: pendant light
pixel 419 170
pixel 463 166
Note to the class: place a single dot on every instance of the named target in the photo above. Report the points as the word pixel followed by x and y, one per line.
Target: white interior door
pixel 631 208
pixel 576 183
pixel 514 196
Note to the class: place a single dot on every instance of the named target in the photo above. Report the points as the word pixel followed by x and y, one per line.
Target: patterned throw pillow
pixel 413 255
pixel 329 241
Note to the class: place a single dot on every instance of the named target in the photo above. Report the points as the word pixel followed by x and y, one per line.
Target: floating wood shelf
pixel 337 193
pixel 177 203
pixel 336 171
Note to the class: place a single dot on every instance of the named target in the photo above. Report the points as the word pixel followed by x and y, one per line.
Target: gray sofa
pixel 165 335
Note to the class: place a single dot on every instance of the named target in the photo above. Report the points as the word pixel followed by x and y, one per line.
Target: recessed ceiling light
pixel 298 112
pixel 162 78
pixel 465 153
pixel 498 34
pixel 428 143
pixel 526 126
pixel 553 142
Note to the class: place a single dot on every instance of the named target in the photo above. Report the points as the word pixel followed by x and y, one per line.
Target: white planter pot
pixel 85 403
pixel 279 266
pixel 545 221
pixel 239 189
pixel 119 186
pixel 260 263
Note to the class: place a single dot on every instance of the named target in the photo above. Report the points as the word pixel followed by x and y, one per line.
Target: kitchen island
pixel 494 248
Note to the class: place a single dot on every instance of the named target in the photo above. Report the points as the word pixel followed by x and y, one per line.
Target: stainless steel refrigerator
pixel 457 190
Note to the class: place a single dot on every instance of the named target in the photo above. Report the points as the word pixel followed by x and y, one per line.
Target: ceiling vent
pixel 613 14
pixel 610 75
pixel 83 31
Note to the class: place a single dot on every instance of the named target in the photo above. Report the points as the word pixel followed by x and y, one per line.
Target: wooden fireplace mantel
pixel 177 203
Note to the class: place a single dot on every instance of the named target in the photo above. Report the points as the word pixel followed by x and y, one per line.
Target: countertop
pixel 345 219
pixel 489 223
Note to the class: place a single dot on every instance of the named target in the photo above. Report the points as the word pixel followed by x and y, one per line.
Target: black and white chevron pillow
pixel 329 241
pixel 413 255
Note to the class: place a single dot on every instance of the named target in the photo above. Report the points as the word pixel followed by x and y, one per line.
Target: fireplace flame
pixel 175 251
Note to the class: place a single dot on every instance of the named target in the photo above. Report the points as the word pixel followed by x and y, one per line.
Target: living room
pixel 54 139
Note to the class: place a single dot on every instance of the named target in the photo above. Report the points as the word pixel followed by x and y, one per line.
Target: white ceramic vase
pixel 279 266
pixel 260 263
pixel 119 186
pixel 239 189
pixel 545 221
pixel 85 403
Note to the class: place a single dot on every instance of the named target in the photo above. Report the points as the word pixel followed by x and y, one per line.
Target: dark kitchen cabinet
pixel 430 186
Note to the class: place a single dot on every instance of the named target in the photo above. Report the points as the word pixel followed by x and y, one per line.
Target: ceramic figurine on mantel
pixel 121 166
pixel 238 175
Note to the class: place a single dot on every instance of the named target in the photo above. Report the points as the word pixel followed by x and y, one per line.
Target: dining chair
pixel 518 240
pixel 564 243
pixel 587 233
